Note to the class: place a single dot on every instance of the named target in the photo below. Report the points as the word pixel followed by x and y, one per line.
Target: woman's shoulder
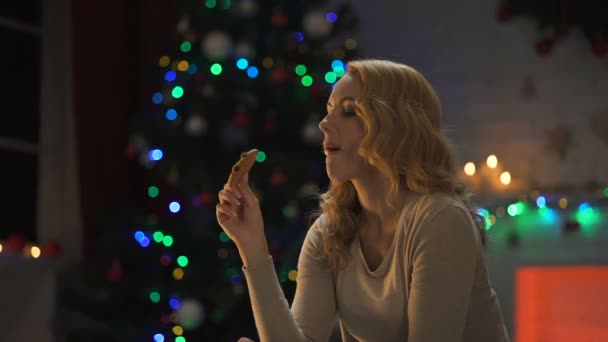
pixel 426 206
pixel 440 213
pixel 317 229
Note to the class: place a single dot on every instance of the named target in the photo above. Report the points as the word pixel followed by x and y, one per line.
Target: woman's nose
pixel 324 125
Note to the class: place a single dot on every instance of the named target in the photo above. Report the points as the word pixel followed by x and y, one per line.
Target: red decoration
pixel 316 89
pixel 544 46
pixel 130 150
pixel 51 248
pixel 240 119
pixel 207 198
pixel 279 19
pixel 270 126
pixel 15 243
pixel 600 48
pixel 279 75
pixel 504 13
pixel 115 273
pixel 165 260
pixel 165 319
pixel 278 178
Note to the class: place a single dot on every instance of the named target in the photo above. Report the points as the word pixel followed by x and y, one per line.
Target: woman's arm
pixel 444 262
pixel 312 315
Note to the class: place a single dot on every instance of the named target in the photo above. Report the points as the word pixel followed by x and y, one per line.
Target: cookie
pixel 241 167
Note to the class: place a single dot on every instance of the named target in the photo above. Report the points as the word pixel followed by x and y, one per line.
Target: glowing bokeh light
pixel 182 261
pixel 168 240
pixel 170 75
pixel 307 81
pixel 157 98
pixel 505 178
pixel 153 191
pixel 261 157
pixel 185 46
pixel 156 154
pixel 242 63
pixel 174 207
pixel 171 114
pixel 35 252
pixel 541 201
pixel 331 17
pixel 469 168
pixel 492 161
pixel 252 72
pixel 216 69
pixel 177 92
pixel 155 297
pixel 301 70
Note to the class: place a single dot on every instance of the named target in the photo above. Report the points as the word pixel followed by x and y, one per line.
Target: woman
pixel 397 252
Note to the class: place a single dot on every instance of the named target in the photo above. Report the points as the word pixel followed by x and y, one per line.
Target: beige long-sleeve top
pixel 432 285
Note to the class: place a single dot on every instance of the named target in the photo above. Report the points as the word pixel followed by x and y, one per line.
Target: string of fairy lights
pixel 187 315
pixel 549 207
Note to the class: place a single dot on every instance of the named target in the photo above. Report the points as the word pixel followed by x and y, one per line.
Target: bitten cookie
pixel 241 167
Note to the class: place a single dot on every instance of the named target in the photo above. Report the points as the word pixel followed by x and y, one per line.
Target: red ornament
pixel 279 75
pixel 165 260
pixel 600 48
pixel 115 273
pixel 15 243
pixel 130 150
pixel 270 126
pixel 279 19
pixel 51 248
pixel 316 89
pixel 278 178
pixel 207 198
pixel 240 119
pixel 503 14
pixel 165 319
pixel 544 46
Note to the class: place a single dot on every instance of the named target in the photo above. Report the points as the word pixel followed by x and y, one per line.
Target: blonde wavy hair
pixel 401 114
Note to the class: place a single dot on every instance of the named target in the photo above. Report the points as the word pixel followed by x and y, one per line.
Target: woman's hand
pixel 245 339
pixel 239 215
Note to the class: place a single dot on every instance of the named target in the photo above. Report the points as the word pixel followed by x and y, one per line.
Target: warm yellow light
pixel 35 251
pixel 0 247
pixel 563 203
pixel 469 168
pixel 268 62
pixel 178 273
pixel 350 44
pixel 177 330
pixel 505 178
pixel 293 275
pixel 492 161
pixel 183 66
pixel 492 218
pixel 164 61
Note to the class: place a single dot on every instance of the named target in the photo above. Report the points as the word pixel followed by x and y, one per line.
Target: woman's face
pixel 343 132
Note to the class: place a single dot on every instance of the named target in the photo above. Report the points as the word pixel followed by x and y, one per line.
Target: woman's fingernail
pixel 238 194
pixel 238 202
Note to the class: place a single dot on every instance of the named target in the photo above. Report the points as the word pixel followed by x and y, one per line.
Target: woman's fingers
pixel 225 209
pixel 234 190
pixel 245 339
pixel 228 197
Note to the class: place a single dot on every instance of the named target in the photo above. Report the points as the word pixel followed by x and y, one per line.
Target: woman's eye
pixel 349 113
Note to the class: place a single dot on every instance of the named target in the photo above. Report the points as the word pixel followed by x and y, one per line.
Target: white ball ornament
pixel 316 25
pixel 196 125
pixel 190 313
pixel 216 45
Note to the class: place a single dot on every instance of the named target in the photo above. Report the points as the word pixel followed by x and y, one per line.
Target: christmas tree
pixel 237 76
